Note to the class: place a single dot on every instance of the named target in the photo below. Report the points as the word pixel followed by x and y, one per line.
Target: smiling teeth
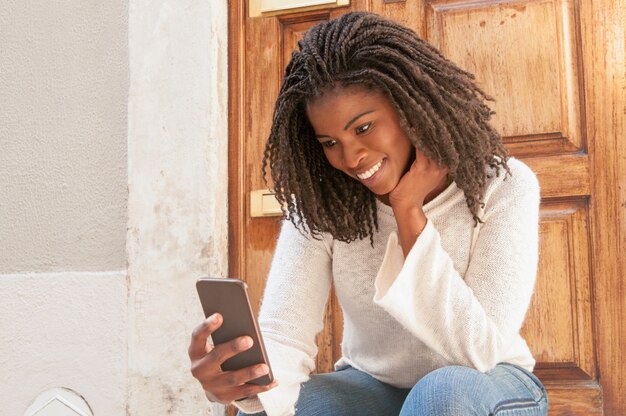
pixel 368 174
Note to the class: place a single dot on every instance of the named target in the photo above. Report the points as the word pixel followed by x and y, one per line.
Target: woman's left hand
pixel 423 177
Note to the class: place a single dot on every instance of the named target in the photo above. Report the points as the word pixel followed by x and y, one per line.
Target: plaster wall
pixel 177 182
pixel 63 202
pixel 97 173
pixel 63 330
pixel 64 86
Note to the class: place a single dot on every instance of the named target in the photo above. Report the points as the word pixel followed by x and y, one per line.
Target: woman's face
pixel 360 133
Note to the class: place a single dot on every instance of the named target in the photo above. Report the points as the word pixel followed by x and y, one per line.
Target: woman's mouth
pixel 371 175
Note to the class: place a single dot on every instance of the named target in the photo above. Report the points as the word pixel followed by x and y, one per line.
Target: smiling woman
pixel 371 146
pixel 428 99
pixel 400 193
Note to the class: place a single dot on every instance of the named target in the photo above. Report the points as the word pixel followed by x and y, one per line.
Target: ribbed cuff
pixel 249 406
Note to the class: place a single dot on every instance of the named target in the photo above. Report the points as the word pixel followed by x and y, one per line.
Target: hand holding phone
pixel 231 369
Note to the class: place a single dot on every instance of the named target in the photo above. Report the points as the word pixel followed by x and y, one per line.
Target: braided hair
pixel 431 95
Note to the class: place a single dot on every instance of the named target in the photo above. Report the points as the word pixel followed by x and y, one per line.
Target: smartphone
pixel 230 298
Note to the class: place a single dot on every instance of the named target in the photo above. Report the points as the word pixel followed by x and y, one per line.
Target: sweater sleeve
pixel 291 315
pixel 470 320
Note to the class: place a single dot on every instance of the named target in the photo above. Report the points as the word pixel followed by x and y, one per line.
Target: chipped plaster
pixel 177 182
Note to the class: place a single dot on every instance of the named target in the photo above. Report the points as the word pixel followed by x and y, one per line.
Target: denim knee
pixel 446 391
pixel 240 413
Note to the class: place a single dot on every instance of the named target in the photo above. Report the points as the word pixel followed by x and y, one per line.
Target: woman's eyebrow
pixel 320 136
pixel 356 118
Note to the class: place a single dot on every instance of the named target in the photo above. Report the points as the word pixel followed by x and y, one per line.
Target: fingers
pixel 242 391
pixel 249 390
pixel 232 385
pixel 208 367
pixel 197 346
pixel 424 164
pixel 229 349
pixel 220 386
pixel 238 377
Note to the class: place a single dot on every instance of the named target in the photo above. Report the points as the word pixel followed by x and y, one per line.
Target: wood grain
pixel 562 176
pixel 576 402
pixel 558 323
pixel 604 56
pixel 410 13
pixel 534 79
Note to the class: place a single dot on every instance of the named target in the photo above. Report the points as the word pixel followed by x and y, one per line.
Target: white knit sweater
pixel 459 297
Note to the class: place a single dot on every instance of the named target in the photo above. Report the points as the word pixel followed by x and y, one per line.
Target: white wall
pixel 63 89
pixel 67 330
pixel 177 178
pixel 63 201
pixel 113 198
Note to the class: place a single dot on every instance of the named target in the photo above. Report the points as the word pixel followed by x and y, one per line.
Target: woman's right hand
pixel 223 386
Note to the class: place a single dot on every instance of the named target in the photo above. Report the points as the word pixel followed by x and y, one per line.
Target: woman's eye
pixel 363 128
pixel 329 143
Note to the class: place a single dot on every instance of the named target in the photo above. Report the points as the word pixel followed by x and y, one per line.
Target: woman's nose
pixel 353 155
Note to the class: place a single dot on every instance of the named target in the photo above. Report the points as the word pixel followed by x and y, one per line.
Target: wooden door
pixel 557 71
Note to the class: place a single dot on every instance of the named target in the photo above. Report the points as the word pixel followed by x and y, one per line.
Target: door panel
pixel 558 323
pixel 545 64
pixel 534 79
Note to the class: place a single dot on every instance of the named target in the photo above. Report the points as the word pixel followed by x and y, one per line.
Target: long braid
pixel 440 108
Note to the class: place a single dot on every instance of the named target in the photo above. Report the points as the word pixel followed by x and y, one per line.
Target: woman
pixel 400 192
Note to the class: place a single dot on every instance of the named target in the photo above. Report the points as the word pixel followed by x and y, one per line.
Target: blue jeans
pixel 507 390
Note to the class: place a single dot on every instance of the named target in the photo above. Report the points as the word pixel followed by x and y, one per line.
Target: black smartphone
pixel 230 298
